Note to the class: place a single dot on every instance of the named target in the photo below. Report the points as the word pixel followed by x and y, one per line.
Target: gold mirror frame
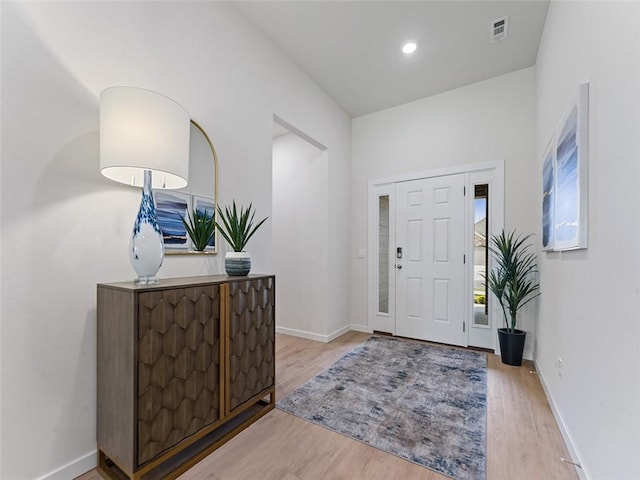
pixel 214 251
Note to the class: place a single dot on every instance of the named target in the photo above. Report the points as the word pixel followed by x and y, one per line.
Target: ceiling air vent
pixel 499 29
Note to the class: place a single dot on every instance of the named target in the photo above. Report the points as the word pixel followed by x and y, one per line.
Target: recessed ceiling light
pixel 409 47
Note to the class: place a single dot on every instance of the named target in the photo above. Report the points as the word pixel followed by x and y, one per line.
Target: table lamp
pixel 144 142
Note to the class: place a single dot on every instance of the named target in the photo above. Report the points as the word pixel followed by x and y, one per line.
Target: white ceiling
pixel 352 48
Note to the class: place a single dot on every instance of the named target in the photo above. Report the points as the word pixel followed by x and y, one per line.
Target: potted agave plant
pixel 513 282
pixel 237 228
pixel 201 227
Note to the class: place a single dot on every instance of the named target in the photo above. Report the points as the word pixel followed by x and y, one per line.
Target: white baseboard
pixel 361 328
pixel 568 439
pixel 302 334
pixel 322 338
pixel 75 468
pixel 339 332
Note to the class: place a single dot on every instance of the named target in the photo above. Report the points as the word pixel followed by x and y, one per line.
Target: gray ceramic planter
pixel 237 264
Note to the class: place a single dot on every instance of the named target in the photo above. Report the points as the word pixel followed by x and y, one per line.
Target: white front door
pixel 430 269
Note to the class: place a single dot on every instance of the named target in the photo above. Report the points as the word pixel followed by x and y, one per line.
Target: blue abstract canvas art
pixel 548 187
pixel 567 204
pixel 565 179
pixel 171 207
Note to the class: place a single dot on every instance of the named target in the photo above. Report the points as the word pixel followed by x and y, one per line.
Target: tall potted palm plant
pixel 237 228
pixel 514 284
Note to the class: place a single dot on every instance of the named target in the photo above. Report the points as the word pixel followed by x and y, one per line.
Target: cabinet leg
pixel 109 469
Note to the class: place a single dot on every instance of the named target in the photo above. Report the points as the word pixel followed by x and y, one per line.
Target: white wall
pixel 484 122
pixel 300 225
pixel 66 228
pixel 1 276
pixel 589 308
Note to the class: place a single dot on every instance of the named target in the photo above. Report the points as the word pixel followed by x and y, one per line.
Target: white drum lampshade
pixel 143 130
pixel 144 142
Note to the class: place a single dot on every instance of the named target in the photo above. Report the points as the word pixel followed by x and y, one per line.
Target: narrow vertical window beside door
pixel 383 254
pixel 480 254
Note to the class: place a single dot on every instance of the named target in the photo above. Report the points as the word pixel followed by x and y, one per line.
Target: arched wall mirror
pixel 200 194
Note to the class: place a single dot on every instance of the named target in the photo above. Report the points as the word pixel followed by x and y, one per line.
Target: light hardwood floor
pixel 523 440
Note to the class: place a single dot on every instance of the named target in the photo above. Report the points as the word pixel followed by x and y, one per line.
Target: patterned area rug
pixel 423 403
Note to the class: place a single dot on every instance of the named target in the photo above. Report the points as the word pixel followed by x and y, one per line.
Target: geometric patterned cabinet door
pixel 183 367
pixel 178 366
pixel 251 339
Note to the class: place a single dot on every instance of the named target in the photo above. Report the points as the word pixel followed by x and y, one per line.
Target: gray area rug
pixel 423 403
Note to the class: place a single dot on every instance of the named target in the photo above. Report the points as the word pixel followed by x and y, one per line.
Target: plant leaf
pixel 200 227
pixel 237 226
pixel 513 278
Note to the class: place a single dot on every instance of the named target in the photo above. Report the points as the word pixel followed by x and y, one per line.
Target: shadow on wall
pixel 73 171
pixel 50 122
pixel 55 242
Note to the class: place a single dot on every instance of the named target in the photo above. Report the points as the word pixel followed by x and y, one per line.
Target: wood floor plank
pixel 523 440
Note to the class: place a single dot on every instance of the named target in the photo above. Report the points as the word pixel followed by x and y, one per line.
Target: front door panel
pixel 430 275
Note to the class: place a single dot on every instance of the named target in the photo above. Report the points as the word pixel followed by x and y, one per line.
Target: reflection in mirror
pixel 201 193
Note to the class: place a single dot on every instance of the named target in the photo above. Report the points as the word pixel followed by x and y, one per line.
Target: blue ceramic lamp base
pixel 146 248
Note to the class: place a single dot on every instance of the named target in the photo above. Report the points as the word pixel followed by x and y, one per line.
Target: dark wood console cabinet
pixel 183 366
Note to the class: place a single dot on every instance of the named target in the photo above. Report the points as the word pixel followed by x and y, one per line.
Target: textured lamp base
pixel 146 248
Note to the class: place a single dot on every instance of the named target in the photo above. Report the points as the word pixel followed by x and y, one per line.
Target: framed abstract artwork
pixel 171 207
pixel 565 179
pixel 548 187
